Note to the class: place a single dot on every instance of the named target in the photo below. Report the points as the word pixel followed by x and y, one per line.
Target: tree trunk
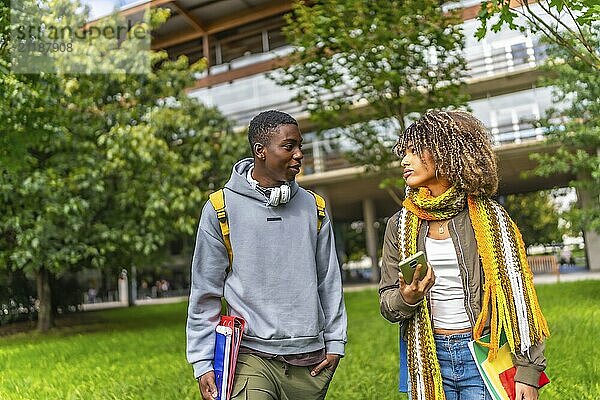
pixel 401 115
pixel 45 317
pixel 132 287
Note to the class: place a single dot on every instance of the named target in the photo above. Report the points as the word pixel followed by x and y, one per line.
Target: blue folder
pixel 221 361
pixel 228 338
pixel 403 378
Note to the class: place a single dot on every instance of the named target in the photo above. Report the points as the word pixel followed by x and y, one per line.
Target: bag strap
pixel 217 199
pixel 320 202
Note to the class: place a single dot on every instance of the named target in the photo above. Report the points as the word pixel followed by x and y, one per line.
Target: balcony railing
pixel 488 60
pixel 484 59
pixel 244 98
pixel 325 155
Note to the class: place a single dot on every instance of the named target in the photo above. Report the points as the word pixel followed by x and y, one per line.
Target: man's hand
pixel 525 392
pixel 207 386
pixel 331 362
pixel 417 289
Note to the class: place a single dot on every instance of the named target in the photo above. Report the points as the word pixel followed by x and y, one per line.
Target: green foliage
pixel 563 22
pixel 15 301
pixel 106 168
pixel 353 235
pixel 22 102
pixel 358 61
pixel 139 353
pixel 536 216
pixel 573 126
pixel 571 32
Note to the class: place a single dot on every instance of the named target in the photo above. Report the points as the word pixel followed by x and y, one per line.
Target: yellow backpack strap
pixel 217 199
pixel 320 202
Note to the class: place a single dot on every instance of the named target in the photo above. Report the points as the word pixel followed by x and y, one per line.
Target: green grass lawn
pixel 138 353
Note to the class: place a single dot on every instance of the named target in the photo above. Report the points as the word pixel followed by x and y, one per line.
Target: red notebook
pixel 508 381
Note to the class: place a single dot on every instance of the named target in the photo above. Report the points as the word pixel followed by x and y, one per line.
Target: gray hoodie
pixel 285 279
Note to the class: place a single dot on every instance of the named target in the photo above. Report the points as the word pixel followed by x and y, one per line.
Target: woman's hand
pixel 525 392
pixel 414 293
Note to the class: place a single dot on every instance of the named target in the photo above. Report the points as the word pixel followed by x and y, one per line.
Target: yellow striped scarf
pixel 508 287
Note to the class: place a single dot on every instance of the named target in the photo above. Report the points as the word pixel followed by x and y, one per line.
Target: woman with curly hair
pixel 477 280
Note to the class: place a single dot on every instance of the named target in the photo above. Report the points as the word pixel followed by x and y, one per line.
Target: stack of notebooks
pixel 498 374
pixel 227 344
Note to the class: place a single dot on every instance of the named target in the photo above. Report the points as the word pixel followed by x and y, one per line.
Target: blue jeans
pixel 460 376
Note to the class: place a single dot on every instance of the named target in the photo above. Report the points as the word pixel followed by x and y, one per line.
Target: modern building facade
pixel 242 43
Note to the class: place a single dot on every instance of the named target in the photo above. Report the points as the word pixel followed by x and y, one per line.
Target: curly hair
pixel 264 124
pixel 460 146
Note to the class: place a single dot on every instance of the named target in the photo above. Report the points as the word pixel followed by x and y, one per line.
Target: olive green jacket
pixel 395 309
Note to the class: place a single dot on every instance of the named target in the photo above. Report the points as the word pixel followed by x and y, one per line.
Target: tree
pixel 537 217
pixel 574 127
pixel 21 101
pixel 365 66
pixel 570 30
pixel 563 22
pixel 123 166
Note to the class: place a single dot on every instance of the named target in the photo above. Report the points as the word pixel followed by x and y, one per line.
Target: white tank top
pixel 447 294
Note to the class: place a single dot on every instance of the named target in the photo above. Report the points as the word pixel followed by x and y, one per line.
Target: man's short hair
pixel 264 124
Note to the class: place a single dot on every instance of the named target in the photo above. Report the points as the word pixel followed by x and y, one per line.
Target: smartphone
pixel 408 266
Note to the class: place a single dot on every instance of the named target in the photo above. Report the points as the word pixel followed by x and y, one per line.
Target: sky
pixel 105 7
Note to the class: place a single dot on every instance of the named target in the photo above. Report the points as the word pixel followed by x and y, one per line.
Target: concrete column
pixel 590 236
pixel 371 237
pixel 123 288
pixel 206 49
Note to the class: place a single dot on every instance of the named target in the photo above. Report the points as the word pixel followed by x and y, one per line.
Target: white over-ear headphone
pixel 279 195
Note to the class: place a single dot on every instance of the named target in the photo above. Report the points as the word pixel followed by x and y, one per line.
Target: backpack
pixel 217 199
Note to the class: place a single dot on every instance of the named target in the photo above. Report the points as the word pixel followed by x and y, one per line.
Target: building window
pixel 240 47
pixel 276 39
pixel 192 49
pixel 255 38
pixel 215 54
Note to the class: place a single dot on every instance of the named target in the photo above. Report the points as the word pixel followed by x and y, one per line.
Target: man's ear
pixel 259 151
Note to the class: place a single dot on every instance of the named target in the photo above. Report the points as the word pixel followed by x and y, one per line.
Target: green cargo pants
pixel 258 378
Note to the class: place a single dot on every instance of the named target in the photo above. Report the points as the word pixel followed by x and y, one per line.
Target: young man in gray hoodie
pixel 284 280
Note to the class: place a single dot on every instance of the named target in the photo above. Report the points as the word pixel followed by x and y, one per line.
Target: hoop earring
pixel 436 175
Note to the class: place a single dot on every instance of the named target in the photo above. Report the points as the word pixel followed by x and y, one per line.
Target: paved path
pixel 542 279
pixel 142 302
pixel 569 277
